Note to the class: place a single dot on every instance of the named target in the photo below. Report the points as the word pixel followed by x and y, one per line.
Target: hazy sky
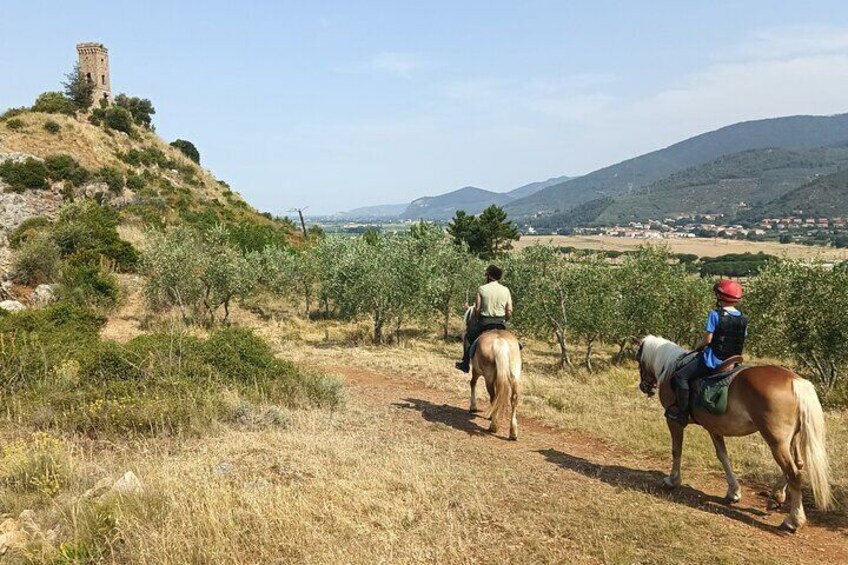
pixel 335 105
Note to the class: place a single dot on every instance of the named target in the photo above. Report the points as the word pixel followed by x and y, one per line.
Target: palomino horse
pixel 498 359
pixel 771 400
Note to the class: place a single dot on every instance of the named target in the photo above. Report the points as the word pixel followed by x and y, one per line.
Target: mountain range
pixel 757 167
pixel 442 207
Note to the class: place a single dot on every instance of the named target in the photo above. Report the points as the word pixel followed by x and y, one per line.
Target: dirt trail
pixel 824 540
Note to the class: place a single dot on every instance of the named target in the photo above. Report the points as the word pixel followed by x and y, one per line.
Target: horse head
pixel 647 380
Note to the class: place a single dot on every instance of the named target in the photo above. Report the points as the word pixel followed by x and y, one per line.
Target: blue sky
pixel 335 105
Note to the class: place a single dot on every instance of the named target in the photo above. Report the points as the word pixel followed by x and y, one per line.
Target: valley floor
pixel 702 247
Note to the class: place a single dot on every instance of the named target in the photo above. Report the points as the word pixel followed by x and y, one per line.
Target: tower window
pixel 88 76
pixel 102 79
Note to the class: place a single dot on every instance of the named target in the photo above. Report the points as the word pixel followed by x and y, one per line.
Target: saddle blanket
pixel 710 392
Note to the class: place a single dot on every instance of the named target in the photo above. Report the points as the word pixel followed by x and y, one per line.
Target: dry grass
pixel 401 476
pixel 606 404
pixel 371 485
pixel 702 247
pixel 94 147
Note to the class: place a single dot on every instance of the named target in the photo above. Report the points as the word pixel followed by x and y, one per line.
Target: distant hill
pixel 381 212
pixel 471 199
pixel 793 133
pixel 535 187
pixel 826 196
pixel 726 185
pixel 444 206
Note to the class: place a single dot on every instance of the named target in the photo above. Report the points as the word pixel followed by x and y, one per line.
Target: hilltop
pixel 471 199
pixel 149 181
pixel 795 133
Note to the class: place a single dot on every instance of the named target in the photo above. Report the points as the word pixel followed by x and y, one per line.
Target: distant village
pixel 791 228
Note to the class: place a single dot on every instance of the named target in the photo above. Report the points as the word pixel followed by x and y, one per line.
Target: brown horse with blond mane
pixel 498 359
pixel 771 400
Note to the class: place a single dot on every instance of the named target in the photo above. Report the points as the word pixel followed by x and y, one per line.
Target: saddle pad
pixel 711 392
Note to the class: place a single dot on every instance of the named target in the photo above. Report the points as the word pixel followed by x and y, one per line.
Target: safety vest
pixel 729 335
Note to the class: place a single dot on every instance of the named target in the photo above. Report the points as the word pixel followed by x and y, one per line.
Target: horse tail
pixel 811 441
pixel 500 350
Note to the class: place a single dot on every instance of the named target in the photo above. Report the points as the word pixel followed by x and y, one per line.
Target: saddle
pixel 486 327
pixel 710 392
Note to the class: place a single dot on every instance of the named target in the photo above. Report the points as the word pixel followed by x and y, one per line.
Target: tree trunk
pixel 564 359
pixel 226 319
pixel 589 355
pixel 446 325
pixel 326 319
pixel 378 328
pixel 619 357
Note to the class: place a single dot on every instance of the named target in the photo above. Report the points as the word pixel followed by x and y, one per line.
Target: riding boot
pixel 680 412
pixel 465 364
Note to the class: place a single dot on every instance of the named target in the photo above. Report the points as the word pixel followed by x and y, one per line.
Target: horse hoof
pixel 773 505
pixel 731 499
pixel 668 484
pixel 788 527
pixel 513 438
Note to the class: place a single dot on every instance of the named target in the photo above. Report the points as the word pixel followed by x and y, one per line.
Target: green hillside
pixel 150 182
pixel 824 196
pixel 792 133
pixel 727 185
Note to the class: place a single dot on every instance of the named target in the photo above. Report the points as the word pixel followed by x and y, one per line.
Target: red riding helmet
pixel 728 290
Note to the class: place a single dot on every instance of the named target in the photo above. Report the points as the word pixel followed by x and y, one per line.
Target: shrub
pixel 85 284
pixel 44 338
pixel 54 103
pixel 113 179
pixel 36 261
pixel 15 124
pixel 66 168
pixel 12 112
pixel 39 463
pixel 52 127
pixel 20 176
pixel 188 149
pixel 140 109
pixel 26 230
pixel 169 383
pixel 113 117
pixel 136 182
pixel 88 231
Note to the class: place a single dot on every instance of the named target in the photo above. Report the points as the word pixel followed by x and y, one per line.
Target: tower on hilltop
pixel 94 67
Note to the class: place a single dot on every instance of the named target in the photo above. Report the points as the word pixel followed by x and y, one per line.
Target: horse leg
pixel 676 430
pixel 778 494
pixel 474 376
pixel 783 456
pixel 513 423
pixel 734 493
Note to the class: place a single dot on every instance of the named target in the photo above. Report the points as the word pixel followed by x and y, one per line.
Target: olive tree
pixel 544 290
pixel 801 311
pixel 199 273
pixel 448 274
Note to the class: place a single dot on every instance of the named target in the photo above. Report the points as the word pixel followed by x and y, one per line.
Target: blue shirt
pixel 710 359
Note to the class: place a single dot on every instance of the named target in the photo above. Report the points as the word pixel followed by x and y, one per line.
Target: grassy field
pixel 402 474
pixel 702 247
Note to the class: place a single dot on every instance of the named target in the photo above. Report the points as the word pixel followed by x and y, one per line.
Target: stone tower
pixel 94 67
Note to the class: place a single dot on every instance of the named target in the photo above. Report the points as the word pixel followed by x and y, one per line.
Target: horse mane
pixel 660 355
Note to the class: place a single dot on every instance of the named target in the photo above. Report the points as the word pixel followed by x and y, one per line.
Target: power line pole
pixel 302 223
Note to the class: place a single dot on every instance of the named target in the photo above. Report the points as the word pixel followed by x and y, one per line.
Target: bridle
pixel 647 381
